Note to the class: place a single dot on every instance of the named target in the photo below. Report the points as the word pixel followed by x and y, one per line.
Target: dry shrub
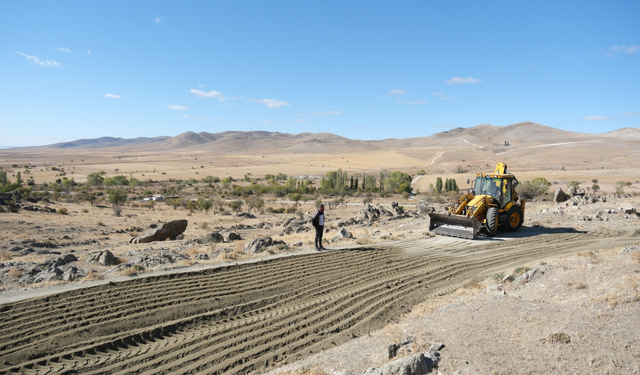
pixel 93 275
pixel 393 332
pixel 129 272
pixel 5 255
pixel 204 225
pixel 15 272
pixel 635 256
pixel 612 300
pixel 305 371
pixel 474 285
pixel 364 241
pixel 558 338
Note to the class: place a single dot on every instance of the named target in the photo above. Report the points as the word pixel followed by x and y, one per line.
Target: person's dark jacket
pixel 315 221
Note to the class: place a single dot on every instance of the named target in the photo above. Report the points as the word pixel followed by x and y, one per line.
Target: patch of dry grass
pixel 15 272
pixel 93 275
pixel 558 338
pixel 5 255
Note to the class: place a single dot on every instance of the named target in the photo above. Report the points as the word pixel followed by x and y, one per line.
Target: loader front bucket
pixel 454 225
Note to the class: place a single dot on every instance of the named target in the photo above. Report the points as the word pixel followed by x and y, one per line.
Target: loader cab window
pixel 506 192
pixel 490 186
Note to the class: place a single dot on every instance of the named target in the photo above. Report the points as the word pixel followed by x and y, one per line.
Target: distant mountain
pixel 107 142
pixel 481 137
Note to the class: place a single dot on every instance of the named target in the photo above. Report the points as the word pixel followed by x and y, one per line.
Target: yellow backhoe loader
pixel 491 202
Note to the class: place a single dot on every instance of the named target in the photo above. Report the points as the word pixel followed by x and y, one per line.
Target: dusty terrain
pixel 197 305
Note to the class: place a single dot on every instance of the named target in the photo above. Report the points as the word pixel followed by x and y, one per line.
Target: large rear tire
pixel 514 219
pixel 492 221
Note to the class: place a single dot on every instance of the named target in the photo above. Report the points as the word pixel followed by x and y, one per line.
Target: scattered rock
pixel 416 364
pixel 297 244
pixel 246 215
pixel 233 236
pixel 214 237
pixel 559 196
pixel 72 274
pixel 258 245
pixel 202 257
pixel 342 234
pixel 169 230
pixel 107 258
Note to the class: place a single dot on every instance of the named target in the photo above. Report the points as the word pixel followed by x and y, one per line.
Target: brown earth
pixel 247 317
pixel 242 314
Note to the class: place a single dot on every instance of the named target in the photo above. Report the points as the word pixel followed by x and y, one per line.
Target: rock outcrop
pixel 170 230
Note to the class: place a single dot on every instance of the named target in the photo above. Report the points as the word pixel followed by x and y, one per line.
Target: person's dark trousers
pixel 319 230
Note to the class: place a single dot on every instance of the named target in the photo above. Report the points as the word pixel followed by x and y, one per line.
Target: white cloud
pixel 445 98
pixel 632 49
pixel 194 117
pixel 623 49
pixel 177 107
pixel 88 52
pixel 413 103
pixel 395 92
pixel 200 85
pixel 64 49
pixel 448 126
pixel 301 120
pixel 156 20
pixel 37 61
pixel 266 122
pixel 460 80
pixel 632 114
pixel 325 113
pixel 209 94
pixel 438 93
pixel 270 103
pixel 112 96
pixel 597 118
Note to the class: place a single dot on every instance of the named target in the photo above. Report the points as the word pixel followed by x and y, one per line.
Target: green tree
pixel 95 179
pixel 235 206
pixel 205 205
pixel 118 180
pixel 620 185
pixel 439 185
pixel 534 188
pixel 595 188
pixel 255 202
pixel 18 178
pixel 226 182
pixel 576 184
pixel 421 172
pixel 192 206
pixel 117 196
pixel 3 177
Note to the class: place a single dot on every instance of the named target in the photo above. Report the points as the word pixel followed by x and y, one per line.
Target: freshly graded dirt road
pixel 243 318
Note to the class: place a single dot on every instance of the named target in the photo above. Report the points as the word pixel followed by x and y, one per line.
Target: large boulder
pixel 214 237
pixel 572 191
pixel 233 236
pixel 417 364
pixel 559 196
pixel 170 230
pixel 107 259
pixel 258 245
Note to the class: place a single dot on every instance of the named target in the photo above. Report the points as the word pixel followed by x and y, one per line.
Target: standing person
pixel 318 223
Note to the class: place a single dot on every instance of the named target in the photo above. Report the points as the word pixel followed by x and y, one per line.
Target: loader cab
pixel 498 186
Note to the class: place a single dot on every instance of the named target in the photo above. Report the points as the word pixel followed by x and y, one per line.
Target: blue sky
pixel 360 69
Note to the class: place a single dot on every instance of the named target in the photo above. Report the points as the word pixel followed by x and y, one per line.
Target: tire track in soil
pixel 246 317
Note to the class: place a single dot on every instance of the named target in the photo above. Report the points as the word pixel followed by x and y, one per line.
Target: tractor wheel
pixel 492 221
pixel 514 219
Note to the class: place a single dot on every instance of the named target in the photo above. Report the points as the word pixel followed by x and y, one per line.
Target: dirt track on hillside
pixel 246 317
